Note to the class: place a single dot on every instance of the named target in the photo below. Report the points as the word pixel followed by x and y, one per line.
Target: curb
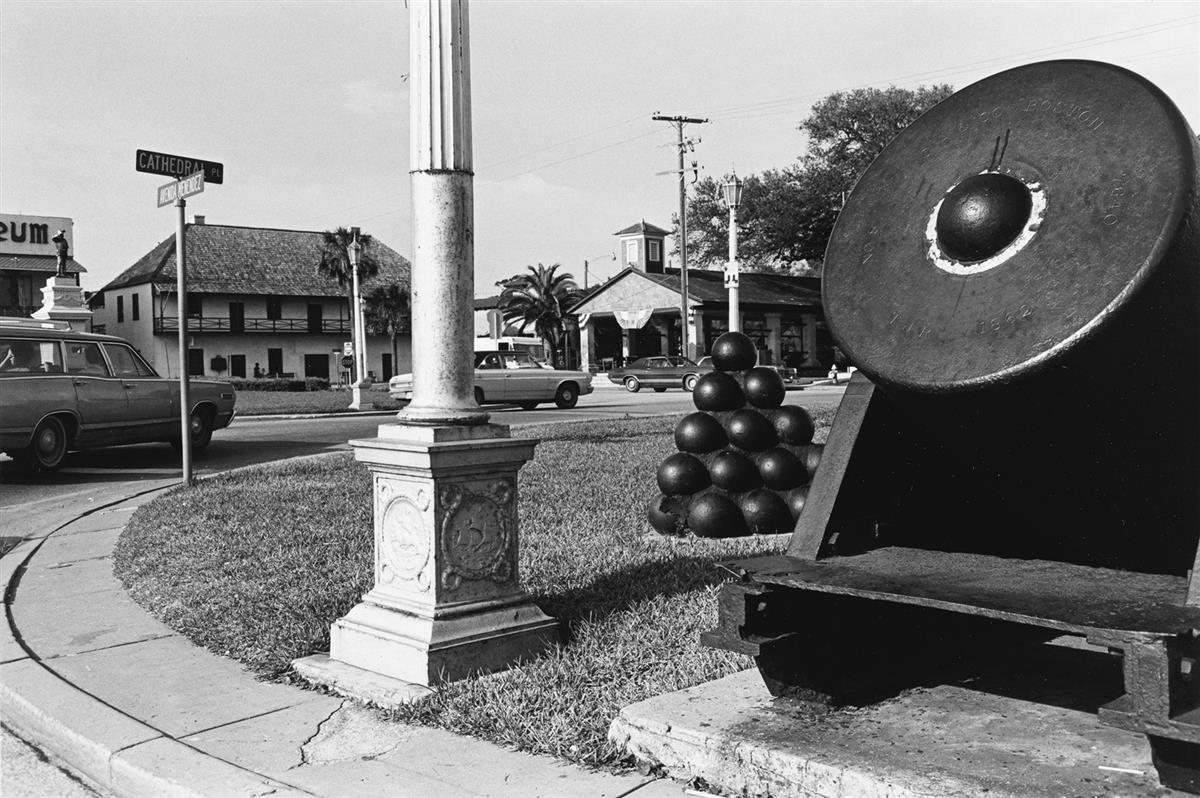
pixel 111 749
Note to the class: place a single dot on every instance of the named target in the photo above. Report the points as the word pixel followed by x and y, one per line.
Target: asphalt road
pixel 256 440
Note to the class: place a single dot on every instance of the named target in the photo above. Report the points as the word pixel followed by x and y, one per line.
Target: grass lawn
pixel 256 564
pixel 334 400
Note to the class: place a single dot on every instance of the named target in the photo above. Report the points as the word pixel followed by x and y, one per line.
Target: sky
pixel 306 105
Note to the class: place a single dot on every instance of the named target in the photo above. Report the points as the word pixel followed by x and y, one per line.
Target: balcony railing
pixel 164 324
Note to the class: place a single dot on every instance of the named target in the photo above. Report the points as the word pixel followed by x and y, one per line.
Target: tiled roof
pixel 224 259
pixel 755 288
pixel 37 263
pixel 643 227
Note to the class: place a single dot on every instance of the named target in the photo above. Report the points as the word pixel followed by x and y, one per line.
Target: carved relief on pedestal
pixel 405 546
pixel 477 533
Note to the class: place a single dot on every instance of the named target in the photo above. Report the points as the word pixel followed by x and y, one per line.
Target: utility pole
pixel 684 144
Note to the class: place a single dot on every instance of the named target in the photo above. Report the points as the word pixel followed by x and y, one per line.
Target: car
pixel 786 373
pixel 512 377
pixel 62 390
pixel 659 372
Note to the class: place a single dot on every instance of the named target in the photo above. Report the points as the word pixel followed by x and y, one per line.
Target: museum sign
pixel 31 235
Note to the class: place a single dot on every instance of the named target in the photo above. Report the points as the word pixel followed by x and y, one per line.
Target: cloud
pixel 366 98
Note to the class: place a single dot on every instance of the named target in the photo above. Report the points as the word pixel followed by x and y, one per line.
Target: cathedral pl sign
pixel 178 166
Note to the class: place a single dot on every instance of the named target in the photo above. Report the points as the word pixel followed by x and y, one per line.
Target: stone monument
pixel 446 601
pixel 62 298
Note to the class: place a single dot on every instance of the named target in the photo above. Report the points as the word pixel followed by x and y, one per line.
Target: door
pixel 274 362
pixel 489 377
pixel 316 366
pixel 314 318
pixel 99 396
pixel 237 366
pixel 151 405
pixel 195 362
pixel 237 317
pixel 387 366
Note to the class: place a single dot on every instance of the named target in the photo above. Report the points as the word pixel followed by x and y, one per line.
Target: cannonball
pixel 764 387
pixel 734 351
pixel 781 470
pixel 766 513
pixel 734 472
pixel 750 430
pixel 699 433
pixel 717 391
pixel 811 455
pixel 795 498
pixel 666 514
pixel 681 473
pixel 794 425
pixel 712 515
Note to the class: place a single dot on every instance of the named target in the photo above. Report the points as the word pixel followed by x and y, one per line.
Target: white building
pixel 254 301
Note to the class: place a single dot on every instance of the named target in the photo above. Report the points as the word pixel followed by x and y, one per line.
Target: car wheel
pixel 632 385
pixel 689 382
pixel 201 428
pixel 48 447
pixel 478 396
pixel 659 390
pixel 528 405
pixel 567 396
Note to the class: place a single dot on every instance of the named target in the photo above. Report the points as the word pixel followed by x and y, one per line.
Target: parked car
pixel 62 390
pixel 513 377
pixel 659 372
pixel 786 373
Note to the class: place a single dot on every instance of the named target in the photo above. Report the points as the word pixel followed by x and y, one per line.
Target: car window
pixel 18 356
pixel 491 361
pixel 126 363
pixel 83 357
pixel 525 361
pixel 659 363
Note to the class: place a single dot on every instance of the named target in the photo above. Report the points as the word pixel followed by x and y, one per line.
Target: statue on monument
pixel 60 243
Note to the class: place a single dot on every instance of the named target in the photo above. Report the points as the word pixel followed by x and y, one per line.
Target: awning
pixel 37 263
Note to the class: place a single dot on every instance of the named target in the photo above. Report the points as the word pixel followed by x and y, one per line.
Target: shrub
pixel 280 384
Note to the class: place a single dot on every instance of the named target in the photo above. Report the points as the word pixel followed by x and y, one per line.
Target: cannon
pixel 1017 279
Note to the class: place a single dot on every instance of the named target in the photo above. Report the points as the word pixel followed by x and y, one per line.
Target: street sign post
pixel 190 176
pixel 179 189
pixel 178 166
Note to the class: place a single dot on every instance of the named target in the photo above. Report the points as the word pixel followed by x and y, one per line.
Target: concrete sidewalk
pixel 139 711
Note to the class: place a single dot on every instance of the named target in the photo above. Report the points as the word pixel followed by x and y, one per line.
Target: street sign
pixel 731 276
pixel 180 189
pixel 347 348
pixel 178 166
pixel 347 362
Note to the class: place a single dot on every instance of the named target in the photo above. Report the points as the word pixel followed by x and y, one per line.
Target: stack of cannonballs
pixel 744 461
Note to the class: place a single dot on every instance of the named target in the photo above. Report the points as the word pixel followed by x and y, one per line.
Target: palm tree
pixel 335 263
pixel 389 312
pixel 540 298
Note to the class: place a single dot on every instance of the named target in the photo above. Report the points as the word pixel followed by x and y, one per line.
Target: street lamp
pixel 356 320
pixel 732 189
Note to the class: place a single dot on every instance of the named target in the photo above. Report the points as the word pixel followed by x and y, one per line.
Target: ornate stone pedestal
pixel 62 300
pixel 447 602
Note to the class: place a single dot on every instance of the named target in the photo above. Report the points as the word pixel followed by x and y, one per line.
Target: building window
pixel 120 309
pixel 655 251
pixel 195 307
pixel 274 309
pixel 274 361
pixel 631 251
pixel 133 307
pixel 195 362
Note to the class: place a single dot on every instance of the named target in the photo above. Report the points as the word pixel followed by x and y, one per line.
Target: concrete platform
pixel 974 739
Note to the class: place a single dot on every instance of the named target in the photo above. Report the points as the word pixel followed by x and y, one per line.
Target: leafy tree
pixel 787 215
pixel 335 263
pixel 540 298
pixel 389 312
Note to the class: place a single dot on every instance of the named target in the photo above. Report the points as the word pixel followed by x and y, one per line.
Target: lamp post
pixel 732 189
pixel 356 320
